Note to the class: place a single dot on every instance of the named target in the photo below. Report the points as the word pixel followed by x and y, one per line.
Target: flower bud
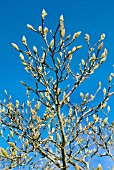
pixel 104 91
pixel 15 46
pixel 45 30
pixel 102 36
pixel 24 40
pixel 35 49
pixel 21 56
pixel 100 46
pixel 83 62
pixel 40 29
pixel 43 14
pixel 76 34
pixel 108 108
pixel 30 27
pixel 61 18
pixel 105 121
pixel 87 37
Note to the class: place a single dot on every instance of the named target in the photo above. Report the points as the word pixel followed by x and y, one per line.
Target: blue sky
pixel 92 17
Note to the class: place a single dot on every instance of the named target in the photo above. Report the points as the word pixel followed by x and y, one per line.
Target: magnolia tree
pixel 52 130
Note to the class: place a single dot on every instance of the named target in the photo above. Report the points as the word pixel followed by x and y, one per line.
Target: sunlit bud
pixel 91 97
pixel 78 47
pixel 99 167
pixel 30 27
pixel 24 40
pixel 4 100
pixel 23 83
pixel 79 140
pixel 86 96
pixel 51 137
pixel 100 46
pixel 89 124
pixel 87 119
pixel 93 56
pixel 41 94
pixel 87 37
pixel 43 14
pixel 52 43
pixel 48 98
pixel 27 68
pixel 58 61
pixel 28 103
pixel 4 152
pixel 96 66
pixel 105 121
pixel 5 92
pixel 95 118
pixel 45 30
pixel 76 35
pixel 102 36
pixel 24 63
pixel 12 145
pixel 83 62
pixel 104 91
pixel 61 18
pixel 32 111
pixel 70 56
pixel 99 84
pixel 58 91
pixel 81 95
pixel 103 55
pixel 21 56
pixel 105 51
pixel 67 38
pixel 60 54
pixel 36 136
pixel 109 78
pixel 17 103
pixel 35 50
pixel 102 60
pixel 53 130
pixel 62 32
pixel 70 111
pixel 74 49
pixel 37 106
pixel 46 94
pixel 103 105
pixel 58 136
pixel 15 46
pixel 10 105
pixel 80 127
pixel 108 108
pixel 11 133
pixel 40 29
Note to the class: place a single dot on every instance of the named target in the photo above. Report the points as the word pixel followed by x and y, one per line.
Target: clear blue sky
pixel 92 17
